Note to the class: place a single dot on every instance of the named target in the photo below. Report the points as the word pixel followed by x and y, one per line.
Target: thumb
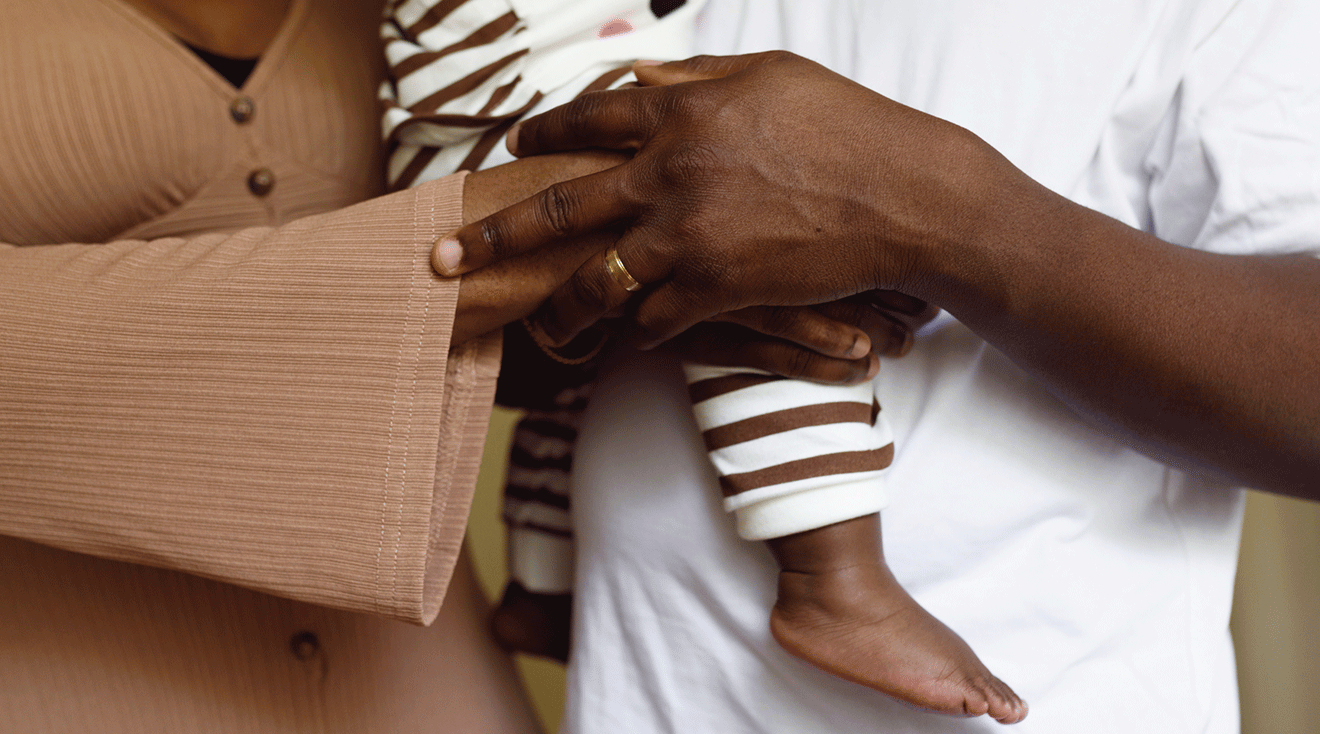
pixel 698 68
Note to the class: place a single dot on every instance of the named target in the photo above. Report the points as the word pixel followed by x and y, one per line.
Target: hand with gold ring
pixel 829 344
pixel 618 272
pixel 730 200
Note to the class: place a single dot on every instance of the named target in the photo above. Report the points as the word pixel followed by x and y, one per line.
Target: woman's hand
pixel 760 180
pixel 512 289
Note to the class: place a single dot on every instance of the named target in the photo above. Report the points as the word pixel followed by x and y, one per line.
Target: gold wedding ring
pixel 620 273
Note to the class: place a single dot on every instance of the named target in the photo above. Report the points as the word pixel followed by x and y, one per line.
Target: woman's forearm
pixel 490 190
pixel 279 409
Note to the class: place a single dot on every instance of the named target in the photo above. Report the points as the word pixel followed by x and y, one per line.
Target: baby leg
pixel 840 609
pixel 534 614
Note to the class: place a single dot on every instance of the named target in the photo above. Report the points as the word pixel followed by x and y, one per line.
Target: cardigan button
pixel 241 109
pixel 261 181
pixel 304 646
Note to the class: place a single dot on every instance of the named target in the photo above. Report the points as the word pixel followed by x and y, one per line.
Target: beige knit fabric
pixel 275 408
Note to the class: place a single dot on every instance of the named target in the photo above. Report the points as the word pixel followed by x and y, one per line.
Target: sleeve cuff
pixel 809 509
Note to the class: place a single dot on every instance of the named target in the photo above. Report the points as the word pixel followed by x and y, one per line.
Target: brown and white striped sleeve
pixel 455 84
pixel 462 72
pixel 791 455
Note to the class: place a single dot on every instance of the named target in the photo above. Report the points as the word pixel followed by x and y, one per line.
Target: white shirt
pixel 1095 581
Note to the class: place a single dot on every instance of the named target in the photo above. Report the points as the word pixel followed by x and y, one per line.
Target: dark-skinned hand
pixel 832 343
pixel 713 224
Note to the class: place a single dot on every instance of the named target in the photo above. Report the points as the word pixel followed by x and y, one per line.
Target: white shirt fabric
pixel 1095 581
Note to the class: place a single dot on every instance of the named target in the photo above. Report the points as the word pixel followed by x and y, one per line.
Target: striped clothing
pixel 792 456
pixel 462 72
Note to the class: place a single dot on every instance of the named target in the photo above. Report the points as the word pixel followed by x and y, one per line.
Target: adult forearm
pixel 1210 362
pixel 1202 360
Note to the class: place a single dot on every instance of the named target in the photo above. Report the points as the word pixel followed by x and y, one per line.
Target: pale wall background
pixel 1276 617
pixel 1276 614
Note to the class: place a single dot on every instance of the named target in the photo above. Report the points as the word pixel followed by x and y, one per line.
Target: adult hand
pixel 759 180
pixel 807 343
pixel 512 289
pixel 769 180
pixel 832 343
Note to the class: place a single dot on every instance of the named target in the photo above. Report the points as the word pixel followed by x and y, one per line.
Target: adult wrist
pixel 1001 244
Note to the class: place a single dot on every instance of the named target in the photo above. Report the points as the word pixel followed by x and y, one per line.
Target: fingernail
pixel 647 62
pixel 511 140
pixel 861 347
pixel 448 255
pixel 874 369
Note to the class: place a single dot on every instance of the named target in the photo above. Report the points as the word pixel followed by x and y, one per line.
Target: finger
pixel 904 339
pixel 889 337
pixel 562 210
pixel 509 290
pixel 805 327
pixel 896 301
pixel 697 68
pixel 599 288
pixel 618 119
pixel 912 312
pixel 730 345
pixel 671 308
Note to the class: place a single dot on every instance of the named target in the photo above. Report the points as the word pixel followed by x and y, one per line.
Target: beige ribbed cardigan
pixel 219 396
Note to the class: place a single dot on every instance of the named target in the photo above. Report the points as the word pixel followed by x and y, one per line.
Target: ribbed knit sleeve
pixel 276 408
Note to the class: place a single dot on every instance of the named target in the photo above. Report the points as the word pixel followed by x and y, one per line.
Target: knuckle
pixel 704 61
pixel 557 210
pixel 801 363
pixel 699 283
pixel 494 239
pixel 687 164
pixel 590 293
pixel 712 276
pixel 581 111
pixel 780 321
pixel 688 107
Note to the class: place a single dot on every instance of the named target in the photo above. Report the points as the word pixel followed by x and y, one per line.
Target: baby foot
pixel 532 623
pixel 859 624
